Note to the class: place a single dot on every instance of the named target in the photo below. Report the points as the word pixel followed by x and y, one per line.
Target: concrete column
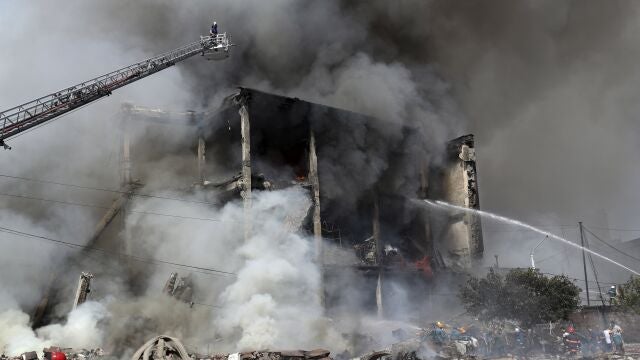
pixel 376 229
pixel 116 206
pixel 376 239
pixel 201 159
pixel 36 319
pixel 201 147
pixel 127 183
pixel 315 188
pixel 317 225
pixel 246 166
pixel 126 145
pixel 379 294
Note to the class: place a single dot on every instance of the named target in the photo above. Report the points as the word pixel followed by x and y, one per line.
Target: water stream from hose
pixel 446 206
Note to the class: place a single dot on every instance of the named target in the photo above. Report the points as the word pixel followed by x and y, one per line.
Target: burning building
pixel 365 216
pixel 366 219
pixel 376 247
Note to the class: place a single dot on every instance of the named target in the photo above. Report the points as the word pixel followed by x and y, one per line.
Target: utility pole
pixel 584 263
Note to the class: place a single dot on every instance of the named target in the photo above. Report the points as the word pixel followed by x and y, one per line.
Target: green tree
pixel 524 295
pixel 629 295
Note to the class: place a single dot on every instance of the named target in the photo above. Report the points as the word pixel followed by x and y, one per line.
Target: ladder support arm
pixel 21 118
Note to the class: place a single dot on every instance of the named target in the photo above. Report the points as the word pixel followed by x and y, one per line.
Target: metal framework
pixel 20 118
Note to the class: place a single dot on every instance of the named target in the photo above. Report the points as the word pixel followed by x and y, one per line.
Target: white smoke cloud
pixel 81 330
pixel 16 336
pixel 312 50
pixel 81 148
pixel 274 300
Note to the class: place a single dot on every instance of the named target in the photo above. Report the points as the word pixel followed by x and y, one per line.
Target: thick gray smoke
pixel 81 148
pixel 303 49
pixel 548 88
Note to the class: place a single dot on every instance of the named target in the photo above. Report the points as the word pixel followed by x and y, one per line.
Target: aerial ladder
pixel 39 111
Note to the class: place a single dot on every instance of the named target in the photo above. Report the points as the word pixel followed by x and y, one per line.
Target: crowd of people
pixel 594 341
pixel 499 339
pixel 609 340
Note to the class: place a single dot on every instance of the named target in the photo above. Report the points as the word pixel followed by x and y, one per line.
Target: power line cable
pixel 115 253
pixel 208 305
pixel 106 208
pixel 547 258
pixel 156 262
pixel 611 246
pixel 615 229
pixel 577 279
pixel 105 190
pixel 595 272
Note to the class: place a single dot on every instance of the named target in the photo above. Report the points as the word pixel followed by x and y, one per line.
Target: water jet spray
pixel 445 205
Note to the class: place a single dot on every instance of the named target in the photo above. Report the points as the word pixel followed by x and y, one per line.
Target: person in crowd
pixel 571 340
pixel 608 346
pixel 616 337
pixel 594 339
pixel 439 335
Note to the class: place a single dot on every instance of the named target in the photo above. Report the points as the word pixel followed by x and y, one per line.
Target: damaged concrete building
pixel 365 217
pixel 365 177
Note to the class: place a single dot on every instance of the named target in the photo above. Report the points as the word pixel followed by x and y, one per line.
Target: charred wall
pixel 457 237
pixel 371 224
pixel 353 169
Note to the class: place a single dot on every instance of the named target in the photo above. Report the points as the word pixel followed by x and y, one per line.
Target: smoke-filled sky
pixel 549 88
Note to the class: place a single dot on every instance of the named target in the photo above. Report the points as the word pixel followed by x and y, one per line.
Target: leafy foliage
pixel 524 295
pixel 630 295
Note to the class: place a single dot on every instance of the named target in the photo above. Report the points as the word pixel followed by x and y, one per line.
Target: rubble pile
pixel 426 344
pixel 166 347
pixel 56 353
pixel 318 354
